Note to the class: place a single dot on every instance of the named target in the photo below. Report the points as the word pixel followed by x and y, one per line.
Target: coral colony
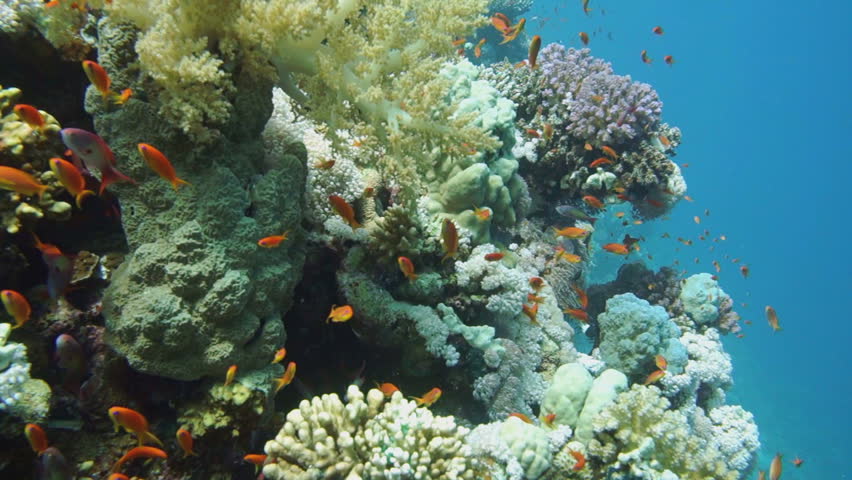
pixel 347 187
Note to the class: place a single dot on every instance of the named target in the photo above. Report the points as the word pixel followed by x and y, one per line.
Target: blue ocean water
pixel 760 91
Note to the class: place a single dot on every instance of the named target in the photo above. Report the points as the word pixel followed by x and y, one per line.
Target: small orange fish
pixel 578 314
pixel 459 42
pixel 688 198
pixel 535 46
pixel 571 232
pixel 160 165
pixel 30 115
pixel 619 214
pixel 230 375
pixel 696 219
pixel 340 314
pixel 609 152
pixel 645 58
pixel 184 439
pixel 482 213
pixel 429 398
pixel 616 248
pixel 531 312
pixel 740 335
pixel 665 141
pixel 345 210
pixel 580 458
pixel 324 164
pixel 586 8
pixel 584 37
pixel 272 241
pixel 37 438
pixel 548 131
pixel 387 389
pixel 593 201
pixel 581 296
pixel 772 318
pixel 255 459
pixel 138 452
pixel 600 161
pixel 477 49
pixel 117 476
pixel 549 419
pixel 406 266
pixel 101 81
pixel 684 165
pixel 536 283
pixel 514 31
pixel 287 378
pixel 588 147
pixel 501 23
pixel 16 306
pixel 747 322
pixel 279 355
pixel 717 266
pixel 533 298
pixel 532 133
pixel 658 30
pixel 654 377
pixel 744 270
pixel 661 362
pixel 494 257
pixel 523 417
pixel 568 257
pixel 70 178
pixel 669 60
pixel 797 462
pixel 21 182
pixel 597 98
pixel 775 467
pixel 450 237
pixel 133 422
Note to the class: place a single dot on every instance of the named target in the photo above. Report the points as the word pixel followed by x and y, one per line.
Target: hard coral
pixel 370 438
pixel 21 396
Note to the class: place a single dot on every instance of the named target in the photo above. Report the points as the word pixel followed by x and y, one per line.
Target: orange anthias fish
pixel 139 452
pixel 531 311
pixel 160 165
pixel 797 462
pixel 387 389
pixel 459 42
pixel 407 268
pixel 477 49
pixel 324 164
pixel 184 439
pixel 117 476
pixel 21 182
pixel 568 257
pixel 531 297
pixel 501 23
pixel 514 31
pixel 494 257
pixel 429 398
pixel 287 378
pixel 661 362
pixel 230 375
pixel 343 209
pixel 548 419
pixel 482 213
pixel 609 152
pixel 658 30
pixel 340 314
pixel 584 37
pixel 669 60
pixel 133 422
pixel 772 318
pixel 30 115
pixel 70 178
pixel 59 267
pixel 654 377
pixel 101 81
pixel 580 458
pixel 717 266
pixel 37 438
pixel 255 459
pixel 775 467
pixel 16 306
pixel 571 232
pixel 616 248
pixel 744 270
pixel 593 201
pixel 279 355
pixel 522 417
pixel 272 241
pixel 600 161
pixel 536 283
pixel 535 46
pixel 581 296
pixel 578 314
pixel 450 237
pixel 547 129
pixel 645 58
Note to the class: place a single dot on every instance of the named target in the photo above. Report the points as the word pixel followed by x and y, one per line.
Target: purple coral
pixel 594 104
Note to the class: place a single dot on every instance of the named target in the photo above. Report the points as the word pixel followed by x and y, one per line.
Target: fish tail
pixel 449 256
pixel 41 191
pixel 110 175
pixel 82 196
pixel 177 182
pixel 149 437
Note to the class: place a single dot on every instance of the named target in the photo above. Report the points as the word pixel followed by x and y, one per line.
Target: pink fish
pixel 93 151
pixel 60 268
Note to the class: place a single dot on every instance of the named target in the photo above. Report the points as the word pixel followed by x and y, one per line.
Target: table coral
pixel 368 437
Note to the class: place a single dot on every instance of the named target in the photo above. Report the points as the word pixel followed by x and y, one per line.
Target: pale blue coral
pixel 506 287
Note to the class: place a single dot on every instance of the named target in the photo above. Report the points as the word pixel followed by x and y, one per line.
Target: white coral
pixel 735 431
pixel 708 367
pixel 507 287
pixel 20 395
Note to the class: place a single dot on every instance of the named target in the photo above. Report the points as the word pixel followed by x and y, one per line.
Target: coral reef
pixel 367 437
pixel 20 395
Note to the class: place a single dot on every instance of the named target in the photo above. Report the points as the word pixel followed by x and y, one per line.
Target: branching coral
pixel 368 438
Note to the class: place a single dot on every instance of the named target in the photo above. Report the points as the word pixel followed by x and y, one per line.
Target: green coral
pixel 639 436
pixel 397 232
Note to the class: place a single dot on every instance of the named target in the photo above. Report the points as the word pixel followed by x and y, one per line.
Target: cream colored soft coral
pixel 367 438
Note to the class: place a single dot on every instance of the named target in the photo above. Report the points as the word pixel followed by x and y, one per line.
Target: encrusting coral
pixel 369 437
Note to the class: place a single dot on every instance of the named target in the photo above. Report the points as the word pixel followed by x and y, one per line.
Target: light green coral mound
pixel 368 437
pixel 639 437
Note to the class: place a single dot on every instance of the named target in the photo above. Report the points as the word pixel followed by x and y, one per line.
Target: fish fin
pixel 110 175
pixel 41 191
pixel 149 437
pixel 177 182
pixel 82 196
